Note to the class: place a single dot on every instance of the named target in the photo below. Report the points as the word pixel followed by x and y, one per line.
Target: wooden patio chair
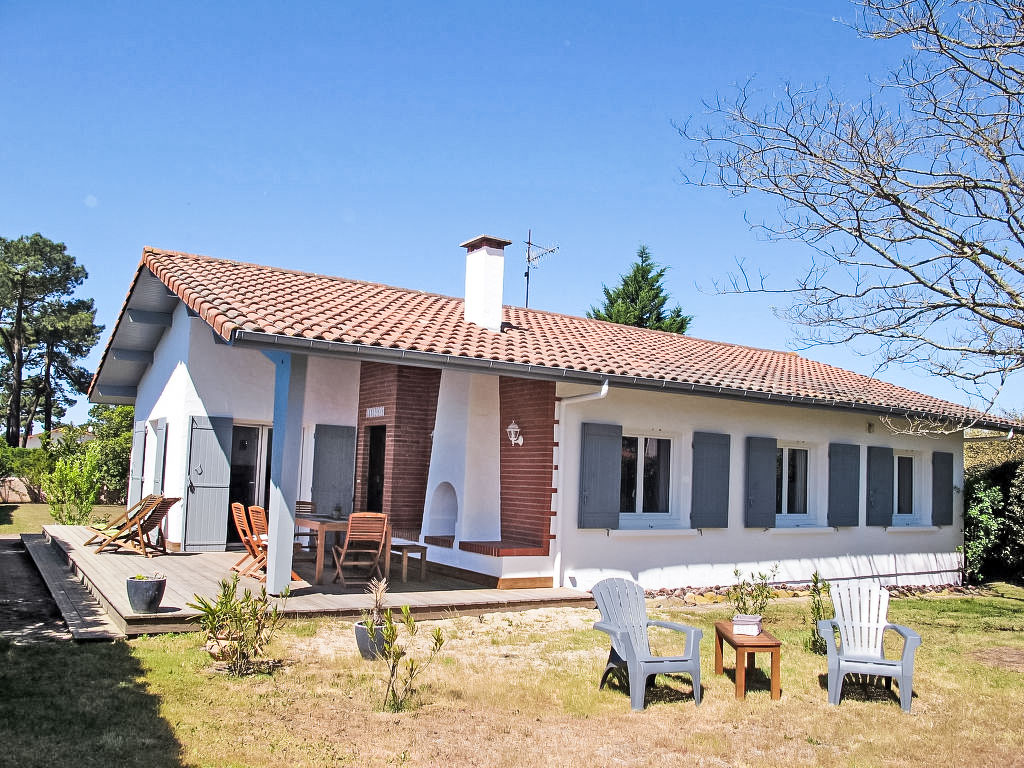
pixel 137 536
pixel 252 559
pixel 260 539
pixel 124 521
pixel 364 546
pixel 304 537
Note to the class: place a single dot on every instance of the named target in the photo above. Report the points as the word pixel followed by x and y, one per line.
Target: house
pixel 524 447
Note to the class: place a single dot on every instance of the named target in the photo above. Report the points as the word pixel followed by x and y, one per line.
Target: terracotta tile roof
pixel 232 296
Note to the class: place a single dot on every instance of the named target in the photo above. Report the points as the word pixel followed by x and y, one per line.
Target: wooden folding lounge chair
pixel 260 539
pixel 137 535
pixel 254 555
pixel 364 546
pixel 125 520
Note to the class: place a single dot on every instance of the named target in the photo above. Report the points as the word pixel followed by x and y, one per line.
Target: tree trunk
pixel 17 364
pixel 47 388
pixel 28 422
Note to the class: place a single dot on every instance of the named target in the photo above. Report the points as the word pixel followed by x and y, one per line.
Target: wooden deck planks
pixel 189 574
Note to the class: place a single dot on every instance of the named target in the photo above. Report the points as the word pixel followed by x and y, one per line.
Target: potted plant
pixel 214 619
pixel 370 631
pixel 146 592
pixel 750 598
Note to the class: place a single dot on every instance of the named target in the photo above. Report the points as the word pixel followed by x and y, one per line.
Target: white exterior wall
pixel 679 556
pixel 192 375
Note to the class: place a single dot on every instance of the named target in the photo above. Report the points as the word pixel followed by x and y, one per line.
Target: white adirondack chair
pixel 861 610
pixel 624 618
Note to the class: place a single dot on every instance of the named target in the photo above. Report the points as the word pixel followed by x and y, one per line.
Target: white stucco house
pixel 525 448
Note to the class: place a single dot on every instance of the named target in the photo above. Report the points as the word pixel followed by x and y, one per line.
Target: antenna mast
pixel 533 257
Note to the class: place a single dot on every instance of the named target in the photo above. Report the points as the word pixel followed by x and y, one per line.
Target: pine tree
pixel 640 298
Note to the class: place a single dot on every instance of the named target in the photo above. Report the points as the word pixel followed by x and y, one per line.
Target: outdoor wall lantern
pixel 514 435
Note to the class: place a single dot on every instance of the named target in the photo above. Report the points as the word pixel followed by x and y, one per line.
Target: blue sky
pixel 369 140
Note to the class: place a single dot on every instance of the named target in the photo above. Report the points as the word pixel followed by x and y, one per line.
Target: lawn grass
pixel 521 689
pixel 30 518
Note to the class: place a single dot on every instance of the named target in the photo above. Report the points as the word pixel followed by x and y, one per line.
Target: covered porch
pixel 192 573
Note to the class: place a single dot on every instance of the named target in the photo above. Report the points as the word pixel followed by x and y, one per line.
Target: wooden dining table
pixel 323 526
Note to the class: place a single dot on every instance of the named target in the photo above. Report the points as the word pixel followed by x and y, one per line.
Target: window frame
pixel 810 518
pixel 914 518
pixel 671 518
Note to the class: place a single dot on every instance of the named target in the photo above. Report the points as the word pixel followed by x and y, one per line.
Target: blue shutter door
pixel 160 455
pixel 137 462
pixel 843 485
pixel 942 488
pixel 209 481
pixel 761 466
pixel 600 475
pixel 709 502
pixel 880 486
pixel 334 466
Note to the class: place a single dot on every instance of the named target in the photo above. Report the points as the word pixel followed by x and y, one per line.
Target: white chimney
pixel 485 273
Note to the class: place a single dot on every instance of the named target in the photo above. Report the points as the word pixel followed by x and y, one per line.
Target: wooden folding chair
pixel 137 536
pixel 253 554
pixel 305 537
pixel 364 546
pixel 125 520
pixel 260 539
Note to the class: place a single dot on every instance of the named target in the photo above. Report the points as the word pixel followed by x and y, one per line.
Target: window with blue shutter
pixel 942 488
pixel 881 471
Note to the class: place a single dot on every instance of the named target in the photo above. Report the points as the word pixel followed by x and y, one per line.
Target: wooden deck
pixel 189 574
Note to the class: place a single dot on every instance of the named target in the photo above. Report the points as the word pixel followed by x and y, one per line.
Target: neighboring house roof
pixel 251 304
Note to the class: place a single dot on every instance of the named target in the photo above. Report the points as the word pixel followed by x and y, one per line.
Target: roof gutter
pixel 259 339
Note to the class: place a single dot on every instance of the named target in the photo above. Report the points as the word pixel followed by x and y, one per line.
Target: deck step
pixel 83 614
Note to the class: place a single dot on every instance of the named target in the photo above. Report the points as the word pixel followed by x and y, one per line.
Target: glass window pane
pixel 905 485
pixel 796 501
pixel 656 474
pixel 778 480
pixel 627 492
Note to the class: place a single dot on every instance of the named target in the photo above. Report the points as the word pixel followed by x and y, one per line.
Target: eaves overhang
pixel 395 355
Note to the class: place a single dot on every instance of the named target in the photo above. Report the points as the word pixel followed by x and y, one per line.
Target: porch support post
pixel 289 394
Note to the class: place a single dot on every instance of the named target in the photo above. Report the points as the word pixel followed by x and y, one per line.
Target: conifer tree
pixel 640 298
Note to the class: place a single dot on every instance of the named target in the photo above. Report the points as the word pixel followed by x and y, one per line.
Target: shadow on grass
pixel 7 514
pixel 658 689
pixel 84 705
pixel 865 688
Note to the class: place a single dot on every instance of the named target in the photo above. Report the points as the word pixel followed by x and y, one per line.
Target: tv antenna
pixel 534 253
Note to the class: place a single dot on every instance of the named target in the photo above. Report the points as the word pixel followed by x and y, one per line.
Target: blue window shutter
pixel 843 484
pixel 160 430
pixel 759 510
pixel 334 466
pixel 880 486
pixel 137 462
pixel 209 480
pixel 942 488
pixel 709 503
pixel 600 474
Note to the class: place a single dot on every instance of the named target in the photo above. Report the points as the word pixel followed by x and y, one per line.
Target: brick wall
pixel 409 398
pixel 526 470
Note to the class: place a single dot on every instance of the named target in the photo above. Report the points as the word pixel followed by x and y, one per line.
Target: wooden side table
pixel 746 646
pixel 404 547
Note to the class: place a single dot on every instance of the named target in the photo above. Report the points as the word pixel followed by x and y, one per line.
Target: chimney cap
pixel 484 241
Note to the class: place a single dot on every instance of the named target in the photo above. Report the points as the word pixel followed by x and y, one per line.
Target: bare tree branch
pixel 912 200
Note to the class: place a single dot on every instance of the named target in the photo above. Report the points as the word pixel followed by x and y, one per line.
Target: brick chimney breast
pixel 485 274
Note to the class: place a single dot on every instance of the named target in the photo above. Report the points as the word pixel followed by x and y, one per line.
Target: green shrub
pixel 820 591
pixel 241 626
pixel 751 597
pixel 71 488
pixel 400 677
pixel 982 509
